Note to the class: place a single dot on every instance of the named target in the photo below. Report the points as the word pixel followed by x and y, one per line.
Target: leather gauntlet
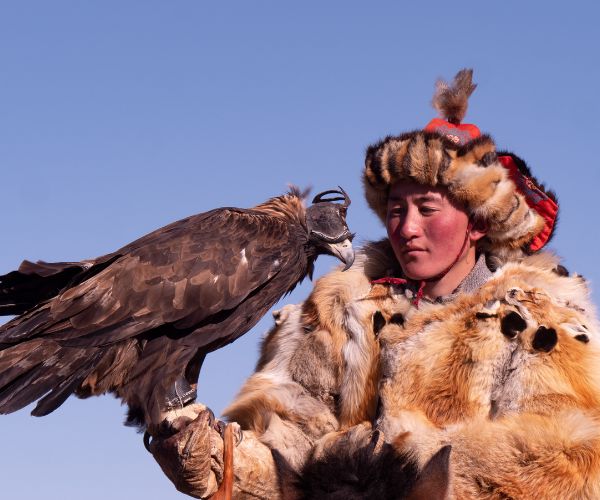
pixel 193 457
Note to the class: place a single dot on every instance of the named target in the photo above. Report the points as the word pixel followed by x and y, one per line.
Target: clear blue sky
pixel 117 117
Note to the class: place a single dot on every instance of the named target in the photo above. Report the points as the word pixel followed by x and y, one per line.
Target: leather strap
pixel 180 394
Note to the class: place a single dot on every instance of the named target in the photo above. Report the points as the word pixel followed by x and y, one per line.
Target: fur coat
pixel 360 394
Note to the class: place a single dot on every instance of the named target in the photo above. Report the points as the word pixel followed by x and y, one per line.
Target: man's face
pixel 426 228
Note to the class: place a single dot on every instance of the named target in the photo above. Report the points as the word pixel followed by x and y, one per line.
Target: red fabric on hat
pixel 536 199
pixel 460 134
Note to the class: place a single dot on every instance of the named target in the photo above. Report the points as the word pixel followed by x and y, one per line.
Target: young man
pixel 456 331
pixel 432 236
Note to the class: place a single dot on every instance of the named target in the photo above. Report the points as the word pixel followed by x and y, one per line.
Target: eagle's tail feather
pixel 22 390
pixel 63 390
pixel 41 369
pixel 19 359
pixel 33 283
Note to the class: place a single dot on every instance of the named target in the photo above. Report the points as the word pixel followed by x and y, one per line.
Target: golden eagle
pixel 138 321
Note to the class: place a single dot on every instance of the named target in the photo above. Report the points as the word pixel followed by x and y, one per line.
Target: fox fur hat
pixel 494 187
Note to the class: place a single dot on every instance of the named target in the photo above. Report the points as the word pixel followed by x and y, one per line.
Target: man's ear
pixel 479 229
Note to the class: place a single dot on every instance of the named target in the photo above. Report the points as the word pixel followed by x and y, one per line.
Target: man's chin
pixel 417 272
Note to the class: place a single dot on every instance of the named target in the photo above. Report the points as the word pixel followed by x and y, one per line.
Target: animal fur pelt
pixel 357 464
pixel 518 359
pixel 510 375
pixel 520 334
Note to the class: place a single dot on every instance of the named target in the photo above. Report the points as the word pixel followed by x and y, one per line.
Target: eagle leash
pixel 225 491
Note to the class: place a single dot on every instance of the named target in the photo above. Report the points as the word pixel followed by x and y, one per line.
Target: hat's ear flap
pixel 539 199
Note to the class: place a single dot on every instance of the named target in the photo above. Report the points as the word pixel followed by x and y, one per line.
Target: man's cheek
pixel 391 226
pixel 395 239
pixel 397 246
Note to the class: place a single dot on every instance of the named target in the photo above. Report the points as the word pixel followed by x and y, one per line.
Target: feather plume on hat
pixel 452 100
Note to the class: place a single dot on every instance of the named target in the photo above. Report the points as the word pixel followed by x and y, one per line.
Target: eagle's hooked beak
pixel 343 251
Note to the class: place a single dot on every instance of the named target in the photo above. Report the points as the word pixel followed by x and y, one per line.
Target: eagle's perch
pixel 135 321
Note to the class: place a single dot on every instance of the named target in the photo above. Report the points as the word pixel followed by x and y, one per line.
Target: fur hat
pixel 495 187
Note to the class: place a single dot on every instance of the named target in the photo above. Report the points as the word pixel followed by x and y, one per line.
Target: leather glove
pixel 192 457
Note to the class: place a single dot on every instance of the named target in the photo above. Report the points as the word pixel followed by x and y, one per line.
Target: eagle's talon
pixel 211 417
pixel 238 434
pixel 219 426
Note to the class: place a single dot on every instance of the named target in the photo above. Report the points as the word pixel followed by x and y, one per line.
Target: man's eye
pixel 427 210
pixel 397 210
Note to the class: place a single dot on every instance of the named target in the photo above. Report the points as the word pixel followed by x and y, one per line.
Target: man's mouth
pixel 410 250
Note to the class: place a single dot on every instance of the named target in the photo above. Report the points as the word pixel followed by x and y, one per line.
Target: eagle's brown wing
pixel 174 278
pixel 188 270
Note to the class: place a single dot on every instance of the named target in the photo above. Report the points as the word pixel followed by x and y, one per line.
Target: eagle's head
pixel 327 228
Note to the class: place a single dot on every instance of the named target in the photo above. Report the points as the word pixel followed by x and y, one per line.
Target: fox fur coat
pixel 358 393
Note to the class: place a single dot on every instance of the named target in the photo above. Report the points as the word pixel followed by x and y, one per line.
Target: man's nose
pixel 409 226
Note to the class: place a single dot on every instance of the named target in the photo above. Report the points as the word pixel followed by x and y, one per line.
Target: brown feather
pixel 452 100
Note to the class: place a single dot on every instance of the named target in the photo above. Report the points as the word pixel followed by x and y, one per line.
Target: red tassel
pixel 419 295
pixel 390 281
